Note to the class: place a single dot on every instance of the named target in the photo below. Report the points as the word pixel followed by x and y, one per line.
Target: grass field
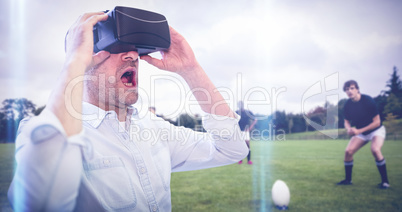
pixel 310 168
pixel 6 173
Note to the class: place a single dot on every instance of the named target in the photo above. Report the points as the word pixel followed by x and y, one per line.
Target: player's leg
pixel 246 137
pixel 376 145
pixel 353 146
pixel 249 153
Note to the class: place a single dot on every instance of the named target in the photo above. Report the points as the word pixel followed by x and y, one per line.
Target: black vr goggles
pixel 130 29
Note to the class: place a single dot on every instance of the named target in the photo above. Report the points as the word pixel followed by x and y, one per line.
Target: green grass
pixel 310 169
pixel 6 174
pixel 318 134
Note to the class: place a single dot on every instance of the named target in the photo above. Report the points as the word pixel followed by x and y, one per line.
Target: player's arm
pixel 179 58
pixel 374 124
pixel 48 147
pixel 346 124
pixel 49 166
pixel 66 99
pixel 348 127
pixel 252 124
pixel 221 146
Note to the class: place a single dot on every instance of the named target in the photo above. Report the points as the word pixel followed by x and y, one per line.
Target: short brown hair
pixel 350 83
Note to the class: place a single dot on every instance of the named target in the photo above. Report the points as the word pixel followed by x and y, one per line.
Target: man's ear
pixel 99 57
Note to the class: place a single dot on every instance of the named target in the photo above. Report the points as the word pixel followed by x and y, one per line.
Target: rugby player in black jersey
pixel 363 123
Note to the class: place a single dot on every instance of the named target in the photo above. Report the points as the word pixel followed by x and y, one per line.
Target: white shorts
pixel 378 132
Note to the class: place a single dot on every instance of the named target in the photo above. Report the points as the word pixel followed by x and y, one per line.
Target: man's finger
pixel 96 18
pixel 86 16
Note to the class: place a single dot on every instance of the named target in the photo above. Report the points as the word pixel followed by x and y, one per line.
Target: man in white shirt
pixel 90 150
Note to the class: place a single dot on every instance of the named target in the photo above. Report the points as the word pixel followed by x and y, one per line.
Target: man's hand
pixel 353 131
pixel 65 103
pixel 79 40
pixel 179 58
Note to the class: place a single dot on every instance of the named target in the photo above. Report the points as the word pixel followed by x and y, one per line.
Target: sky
pixel 274 55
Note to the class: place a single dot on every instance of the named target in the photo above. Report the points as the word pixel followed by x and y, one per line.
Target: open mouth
pixel 128 78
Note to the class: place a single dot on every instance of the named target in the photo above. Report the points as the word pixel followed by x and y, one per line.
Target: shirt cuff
pixel 47 118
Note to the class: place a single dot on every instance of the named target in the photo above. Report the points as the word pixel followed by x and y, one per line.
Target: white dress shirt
pixel 108 167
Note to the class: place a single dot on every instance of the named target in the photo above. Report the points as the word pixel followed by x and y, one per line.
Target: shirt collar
pixel 94 115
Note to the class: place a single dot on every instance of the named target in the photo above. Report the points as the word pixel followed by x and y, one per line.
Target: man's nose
pixel 131 55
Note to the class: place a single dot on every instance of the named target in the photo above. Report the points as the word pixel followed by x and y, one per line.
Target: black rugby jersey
pixel 361 113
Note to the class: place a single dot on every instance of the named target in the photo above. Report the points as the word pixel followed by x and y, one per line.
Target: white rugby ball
pixel 280 194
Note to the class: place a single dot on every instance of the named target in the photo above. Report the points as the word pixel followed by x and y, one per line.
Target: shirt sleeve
pixel 223 144
pixel 49 166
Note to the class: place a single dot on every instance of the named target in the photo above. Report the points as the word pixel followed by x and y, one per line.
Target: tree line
pixel 11 113
pixel 330 116
pixel 327 116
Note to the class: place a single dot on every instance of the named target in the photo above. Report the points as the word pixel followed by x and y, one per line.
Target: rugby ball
pixel 280 195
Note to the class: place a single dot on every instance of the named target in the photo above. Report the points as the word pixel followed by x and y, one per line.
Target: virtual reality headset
pixel 131 29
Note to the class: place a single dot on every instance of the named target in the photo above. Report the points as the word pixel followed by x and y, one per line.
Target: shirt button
pixel 154 208
pixel 106 162
pixel 143 170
